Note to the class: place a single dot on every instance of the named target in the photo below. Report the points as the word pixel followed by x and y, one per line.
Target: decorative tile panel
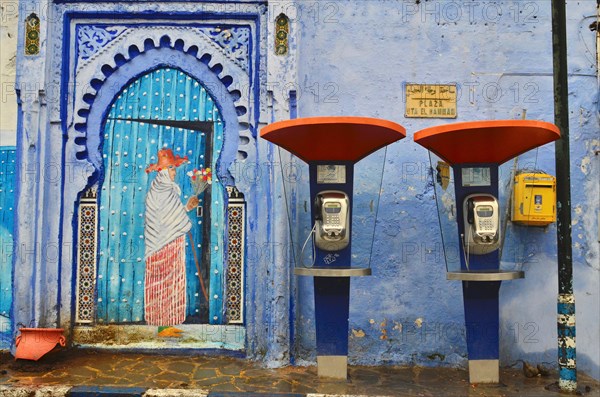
pixel 234 41
pixel 91 38
pixel 86 257
pixel 235 257
pixel 32 35
pixel 282 30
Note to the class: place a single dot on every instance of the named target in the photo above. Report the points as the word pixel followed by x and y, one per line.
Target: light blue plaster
pixel 360 56
pixel 352 58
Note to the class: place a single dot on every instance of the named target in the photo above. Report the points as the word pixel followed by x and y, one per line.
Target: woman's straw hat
pixel 166 158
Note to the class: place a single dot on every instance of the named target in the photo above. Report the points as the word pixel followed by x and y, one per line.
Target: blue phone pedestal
pixel 479 148
pixel 335 143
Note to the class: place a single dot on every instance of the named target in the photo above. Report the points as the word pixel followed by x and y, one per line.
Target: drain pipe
pixel 566 300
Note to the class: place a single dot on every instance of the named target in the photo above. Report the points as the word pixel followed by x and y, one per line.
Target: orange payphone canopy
pixel 495 141
pixel 333 138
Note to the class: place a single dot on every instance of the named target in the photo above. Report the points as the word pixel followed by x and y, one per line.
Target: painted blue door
pixel 7 199
pixel 129 147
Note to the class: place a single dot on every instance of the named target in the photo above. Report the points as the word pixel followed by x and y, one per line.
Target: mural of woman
pixel 166 224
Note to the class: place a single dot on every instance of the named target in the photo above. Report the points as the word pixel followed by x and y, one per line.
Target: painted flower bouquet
pixel 201 178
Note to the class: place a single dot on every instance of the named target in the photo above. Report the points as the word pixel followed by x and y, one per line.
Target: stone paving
pixel 227 374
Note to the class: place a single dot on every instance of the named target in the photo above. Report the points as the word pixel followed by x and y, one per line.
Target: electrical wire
pixel 534 171
pixel 504 223
pixel 437 205
pixel 287 210
pixel 377 208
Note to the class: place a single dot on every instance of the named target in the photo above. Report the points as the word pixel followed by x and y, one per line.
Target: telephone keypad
pixel 332 220
pixel 486 224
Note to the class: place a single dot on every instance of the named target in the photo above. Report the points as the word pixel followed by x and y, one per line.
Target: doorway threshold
pixel 146 337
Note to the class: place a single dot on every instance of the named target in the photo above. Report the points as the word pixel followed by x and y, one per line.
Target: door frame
pixel 233 106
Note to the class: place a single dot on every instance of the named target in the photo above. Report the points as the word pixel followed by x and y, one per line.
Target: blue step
pixel 106 391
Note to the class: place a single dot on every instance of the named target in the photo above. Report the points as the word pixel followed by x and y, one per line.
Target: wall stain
pixel 433 356
pixel 382 329
pixel 358 333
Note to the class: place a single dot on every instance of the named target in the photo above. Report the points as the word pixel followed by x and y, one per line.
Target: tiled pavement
pixel 87 373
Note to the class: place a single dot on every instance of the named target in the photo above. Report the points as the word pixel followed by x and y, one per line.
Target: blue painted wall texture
pixel 355 60
pixel 7 203
pixel 345 58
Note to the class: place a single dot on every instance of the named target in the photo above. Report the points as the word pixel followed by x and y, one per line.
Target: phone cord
pixel 469 246
pixel 304 246
pixel 466 249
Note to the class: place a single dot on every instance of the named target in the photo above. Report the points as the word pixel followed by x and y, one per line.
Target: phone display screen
pixel 476 176
pixel 333 208
pixel 485 211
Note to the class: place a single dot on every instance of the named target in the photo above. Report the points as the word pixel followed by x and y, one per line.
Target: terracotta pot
pixel 33 343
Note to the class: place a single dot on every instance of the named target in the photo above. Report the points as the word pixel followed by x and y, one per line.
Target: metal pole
pixel 566 301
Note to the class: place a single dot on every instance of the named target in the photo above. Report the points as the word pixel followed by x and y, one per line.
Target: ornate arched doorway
pixel 130 145
pixel 155 94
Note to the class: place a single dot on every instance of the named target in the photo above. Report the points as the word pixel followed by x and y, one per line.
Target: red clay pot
pixel 33 343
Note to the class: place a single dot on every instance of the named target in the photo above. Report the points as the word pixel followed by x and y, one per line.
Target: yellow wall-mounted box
pixel 534 199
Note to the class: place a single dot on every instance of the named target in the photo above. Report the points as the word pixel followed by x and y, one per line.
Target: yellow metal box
pixel 534 199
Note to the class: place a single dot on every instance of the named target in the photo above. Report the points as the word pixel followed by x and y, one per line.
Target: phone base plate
pixel 483 275
pixel 332 271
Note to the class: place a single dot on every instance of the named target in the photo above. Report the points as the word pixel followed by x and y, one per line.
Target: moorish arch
pixel 231 95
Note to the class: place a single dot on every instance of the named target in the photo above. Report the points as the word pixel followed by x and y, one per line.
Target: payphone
pixel 331 146
pixel 332 220
pixel 475 151
pixel 482 224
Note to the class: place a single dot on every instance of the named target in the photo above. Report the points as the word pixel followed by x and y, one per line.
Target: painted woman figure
pixel 166 225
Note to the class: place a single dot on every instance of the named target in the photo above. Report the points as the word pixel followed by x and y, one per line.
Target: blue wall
pixel 360 55
pixel 346 58
pixel 7 186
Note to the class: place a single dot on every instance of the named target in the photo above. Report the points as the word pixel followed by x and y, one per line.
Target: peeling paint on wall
pixel 419 322
pixel 358 333
pixel 382 330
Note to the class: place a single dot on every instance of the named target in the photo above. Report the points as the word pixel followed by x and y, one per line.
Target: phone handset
pixel 470 212
pixel 482 223
pixel 332 218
